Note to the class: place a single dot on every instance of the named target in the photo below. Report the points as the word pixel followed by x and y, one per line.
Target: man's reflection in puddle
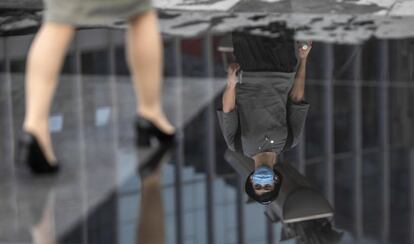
pixel 264 110
pixel 150 228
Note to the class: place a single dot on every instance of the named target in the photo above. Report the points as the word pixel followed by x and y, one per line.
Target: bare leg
pixel 144 54
pixel 43 66
pixel 151 220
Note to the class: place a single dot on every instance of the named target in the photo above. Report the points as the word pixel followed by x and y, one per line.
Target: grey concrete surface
pixel 341 21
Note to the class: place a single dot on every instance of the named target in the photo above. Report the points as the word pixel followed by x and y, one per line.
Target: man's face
pixel 263 180
pixel 260 189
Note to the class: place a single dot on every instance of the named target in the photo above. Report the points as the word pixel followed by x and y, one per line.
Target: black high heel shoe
pixel 145 130
pixel 30 153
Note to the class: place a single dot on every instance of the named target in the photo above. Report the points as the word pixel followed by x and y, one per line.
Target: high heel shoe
pixel 145 130
pixel 30 153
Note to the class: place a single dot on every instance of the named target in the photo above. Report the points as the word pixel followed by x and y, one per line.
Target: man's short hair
pixel 265 198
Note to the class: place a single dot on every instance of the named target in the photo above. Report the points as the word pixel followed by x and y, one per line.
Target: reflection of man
pixel 263 108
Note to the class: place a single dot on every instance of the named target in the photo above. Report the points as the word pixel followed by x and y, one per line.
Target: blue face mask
pixel 263 175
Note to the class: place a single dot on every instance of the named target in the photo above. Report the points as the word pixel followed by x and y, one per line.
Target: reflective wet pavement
pixel 357 149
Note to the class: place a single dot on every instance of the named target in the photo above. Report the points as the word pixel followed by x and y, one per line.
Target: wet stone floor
pixel 349 179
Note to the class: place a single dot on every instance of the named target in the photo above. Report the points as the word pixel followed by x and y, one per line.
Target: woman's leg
pixel 145 59
pixel 43 67
pixel 44 231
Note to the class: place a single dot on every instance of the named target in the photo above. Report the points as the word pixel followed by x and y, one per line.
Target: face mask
pixel 263 175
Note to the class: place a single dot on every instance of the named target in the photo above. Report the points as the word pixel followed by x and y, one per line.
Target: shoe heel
pixel 30 154
pixel 143 138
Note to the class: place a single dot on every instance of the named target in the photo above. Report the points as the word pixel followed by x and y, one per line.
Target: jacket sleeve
pixel 228 125
pixel 296 117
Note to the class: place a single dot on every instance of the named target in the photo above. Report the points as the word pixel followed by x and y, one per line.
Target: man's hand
pixel 232 74
pixel 297 92
pixel 304 49
pixel 229 95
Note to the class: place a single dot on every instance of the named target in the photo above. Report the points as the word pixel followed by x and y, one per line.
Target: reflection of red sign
pixel 194 47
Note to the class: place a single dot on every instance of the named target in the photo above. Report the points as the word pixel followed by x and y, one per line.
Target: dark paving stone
pixel 21 4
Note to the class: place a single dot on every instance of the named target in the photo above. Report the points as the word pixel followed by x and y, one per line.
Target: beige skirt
pixel 93 12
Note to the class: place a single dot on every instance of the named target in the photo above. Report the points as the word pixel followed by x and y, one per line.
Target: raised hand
pixel 232 74
pixel 304 49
